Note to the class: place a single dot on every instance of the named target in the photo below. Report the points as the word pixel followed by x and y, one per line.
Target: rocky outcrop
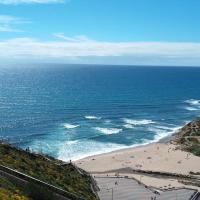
pixel 190 129
pixel 188 138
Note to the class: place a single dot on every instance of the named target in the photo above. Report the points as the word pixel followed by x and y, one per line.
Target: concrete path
pixel 129 189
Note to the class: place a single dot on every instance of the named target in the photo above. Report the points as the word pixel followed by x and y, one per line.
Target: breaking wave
pixel 194 105
pixel 191 108
pixel 92 117
pixel 108 131
pixel 138 122
pixel 163 131
pixel 193 102
pixel 75 150
pixel 130 126
pixel 70 126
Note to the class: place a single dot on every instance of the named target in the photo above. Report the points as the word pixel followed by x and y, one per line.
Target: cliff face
pixel 191 129
pixel 189 137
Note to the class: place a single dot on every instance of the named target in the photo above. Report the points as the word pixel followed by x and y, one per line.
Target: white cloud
pixel 86 51
pixel 78 38
pixel 15 2
pixel 8 23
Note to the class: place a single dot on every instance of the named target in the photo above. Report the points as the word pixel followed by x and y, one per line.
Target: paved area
pixel 129 189
pixel 181 194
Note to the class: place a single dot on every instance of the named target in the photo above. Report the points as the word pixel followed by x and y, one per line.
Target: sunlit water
pixel 70 112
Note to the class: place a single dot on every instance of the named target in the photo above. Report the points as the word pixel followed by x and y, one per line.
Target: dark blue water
pixel 74 111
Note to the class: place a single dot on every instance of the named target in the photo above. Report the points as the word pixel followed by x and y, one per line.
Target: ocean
pixel 74 111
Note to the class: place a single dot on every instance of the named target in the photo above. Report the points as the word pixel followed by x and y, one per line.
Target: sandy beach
pixel 160 157
pixel 156 157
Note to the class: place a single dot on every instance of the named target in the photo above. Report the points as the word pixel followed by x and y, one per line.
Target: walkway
pixel 129 189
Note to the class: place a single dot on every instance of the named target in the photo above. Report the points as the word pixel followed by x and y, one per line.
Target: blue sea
pixel 74 111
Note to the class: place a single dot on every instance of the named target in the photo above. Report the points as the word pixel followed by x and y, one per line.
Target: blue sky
pixel 160 32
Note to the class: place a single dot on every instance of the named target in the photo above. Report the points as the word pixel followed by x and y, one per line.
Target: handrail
pixel 194 197
pixel 39 182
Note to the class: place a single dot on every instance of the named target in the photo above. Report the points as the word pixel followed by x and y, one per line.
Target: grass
pixel 47 169
pixel 194 146
pixel 8 191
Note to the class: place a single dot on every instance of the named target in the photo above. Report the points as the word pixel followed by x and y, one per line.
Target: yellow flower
pixel 18 197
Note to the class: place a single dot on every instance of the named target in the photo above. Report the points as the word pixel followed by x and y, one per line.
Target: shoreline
pixel 163 156
pixel 162 140
pixel 156 156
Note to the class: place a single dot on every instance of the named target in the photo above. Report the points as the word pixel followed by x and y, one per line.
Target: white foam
pixel 78 149
pixel 193 101
pixel 164 127
pixel 108 131
pixel 138 122
pixel 70 126
pixel 130 126
pixel 191 108
pixel 194 104
pixel 163 131
pixel 71 142
pixel 92 117
pixel 84 148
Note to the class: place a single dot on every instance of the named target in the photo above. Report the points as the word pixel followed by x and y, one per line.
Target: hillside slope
pixel 47 169
pixel 189 137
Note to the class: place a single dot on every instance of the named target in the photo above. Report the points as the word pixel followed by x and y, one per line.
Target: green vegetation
pixel 194 146
pixel 189 137
pixel 8 191
pixel 47 169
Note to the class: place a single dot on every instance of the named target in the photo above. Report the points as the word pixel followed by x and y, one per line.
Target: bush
pixel 52 171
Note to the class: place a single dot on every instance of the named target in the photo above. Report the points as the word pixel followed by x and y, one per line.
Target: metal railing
pixel 195 196
pixel 40 183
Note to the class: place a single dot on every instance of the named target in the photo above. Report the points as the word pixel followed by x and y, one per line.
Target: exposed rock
pixel 189 137
pixel 190 129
